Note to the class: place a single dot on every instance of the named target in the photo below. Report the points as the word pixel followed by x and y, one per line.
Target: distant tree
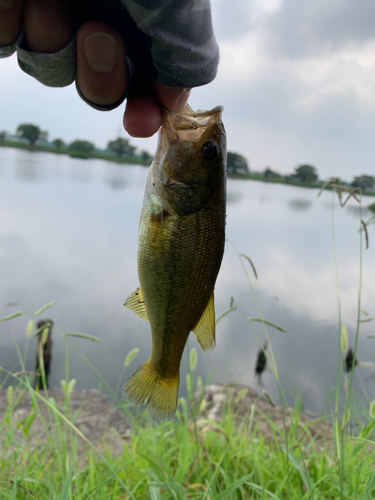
pixel 237 164
pixel 335 180
pixel 58 143
pixel 364 182
pixel 84 147
pixel 31 133
pixel 3 136
pixel 121 146
pixel 270 173
pixel 146 157
pixel 306 173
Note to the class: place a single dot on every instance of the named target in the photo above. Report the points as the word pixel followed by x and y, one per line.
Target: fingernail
pixel 182 100
pixel 8 4
pixel 101 52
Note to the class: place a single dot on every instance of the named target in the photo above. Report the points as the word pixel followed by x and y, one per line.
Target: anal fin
pixel 204 330
pixel 136 303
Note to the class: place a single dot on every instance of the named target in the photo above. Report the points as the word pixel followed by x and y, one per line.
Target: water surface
pixel 68 232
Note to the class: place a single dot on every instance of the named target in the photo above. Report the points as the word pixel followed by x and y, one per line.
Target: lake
pixel 68 232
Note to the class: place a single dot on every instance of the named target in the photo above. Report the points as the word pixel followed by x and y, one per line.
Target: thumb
pixel 172 98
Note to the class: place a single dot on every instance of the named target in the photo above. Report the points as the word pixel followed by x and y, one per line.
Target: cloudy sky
pixel 297 81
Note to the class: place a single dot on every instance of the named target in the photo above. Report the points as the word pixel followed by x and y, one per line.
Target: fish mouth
pixel 189 125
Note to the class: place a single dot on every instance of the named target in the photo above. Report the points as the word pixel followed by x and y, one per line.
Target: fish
pixel 180 249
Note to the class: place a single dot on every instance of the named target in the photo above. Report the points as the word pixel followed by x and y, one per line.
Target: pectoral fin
pixel 204 330
pixel 136 303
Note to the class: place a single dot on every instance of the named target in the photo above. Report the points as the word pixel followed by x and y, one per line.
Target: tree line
pixel 120 147
pixel 237 164
pixel 306 174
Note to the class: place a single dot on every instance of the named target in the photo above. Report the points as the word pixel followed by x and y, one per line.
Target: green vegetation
pixel 180 460
pixel 31 133
pixel 270 174
pixel 193 457
pixel 119 150
pixel 58 143
pixel 236 164
pixel 3 136
pixel 306 173
pixel 307 176
pixel 121 147
pixel 364 182
pixel 146 157
pixel 81 149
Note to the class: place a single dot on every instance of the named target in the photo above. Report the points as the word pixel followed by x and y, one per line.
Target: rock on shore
pixel 267 417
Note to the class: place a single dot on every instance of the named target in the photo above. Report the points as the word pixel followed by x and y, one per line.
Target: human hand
pixel 102 73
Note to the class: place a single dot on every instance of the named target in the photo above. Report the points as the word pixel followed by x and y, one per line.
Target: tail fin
pixel 147 387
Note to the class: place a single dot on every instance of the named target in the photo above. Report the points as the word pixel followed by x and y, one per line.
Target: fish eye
pixel 210 151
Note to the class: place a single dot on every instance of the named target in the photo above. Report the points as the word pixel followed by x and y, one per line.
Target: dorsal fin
pixel 136 303
pixel 204 330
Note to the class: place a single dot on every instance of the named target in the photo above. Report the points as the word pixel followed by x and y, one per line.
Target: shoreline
pixel 100 155
pixel 138 161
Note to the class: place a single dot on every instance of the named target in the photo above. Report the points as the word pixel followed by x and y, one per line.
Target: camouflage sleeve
pixel 53 70
pixel 183 47
pixel 175 37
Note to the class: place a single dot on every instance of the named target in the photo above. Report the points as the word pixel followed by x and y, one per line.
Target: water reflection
pixel 116 183
pixel 75 242
pixel 263 199
pixel 357 212
pixel 28 171
pixel 82 173
pixel 234 197
pixel 300 205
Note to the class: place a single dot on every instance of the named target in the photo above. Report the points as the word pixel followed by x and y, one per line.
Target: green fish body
pixel 180 249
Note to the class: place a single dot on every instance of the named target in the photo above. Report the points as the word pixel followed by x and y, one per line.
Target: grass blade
pixel 296 464
pixel 263 490
pixel 39 311
pixel 132 354
pixel 232 308
pixel 251 264
pixel 82 336
pixel 11 316
pixel 269 323
pixel 233 487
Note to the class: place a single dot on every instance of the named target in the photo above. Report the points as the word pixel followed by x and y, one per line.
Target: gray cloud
pixel 231 20
pixel 302 29
pixel 267 124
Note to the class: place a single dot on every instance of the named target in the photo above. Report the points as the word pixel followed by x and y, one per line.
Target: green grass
pixel 177 460
pixel 192 457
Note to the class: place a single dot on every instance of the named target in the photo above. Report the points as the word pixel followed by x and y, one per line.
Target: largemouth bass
pixel 180 248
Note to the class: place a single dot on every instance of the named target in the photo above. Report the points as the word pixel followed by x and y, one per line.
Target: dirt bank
pixel 107 427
